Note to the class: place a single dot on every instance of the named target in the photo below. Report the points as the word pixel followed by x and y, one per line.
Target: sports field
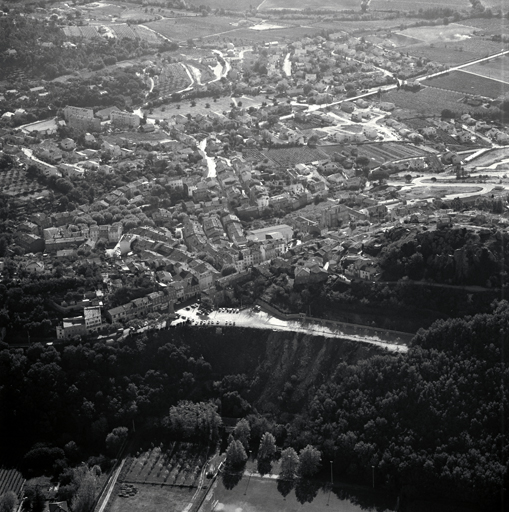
pixel 257 494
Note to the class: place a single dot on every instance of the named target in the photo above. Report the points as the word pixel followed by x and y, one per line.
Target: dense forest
pixel 430 421
pixel 452 256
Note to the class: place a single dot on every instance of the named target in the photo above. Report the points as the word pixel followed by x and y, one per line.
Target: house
pixel 71 327
pixel 67 144
pixel 92 317
pixel 30 242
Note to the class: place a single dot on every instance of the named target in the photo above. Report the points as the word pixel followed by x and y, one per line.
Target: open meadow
pixel 468 83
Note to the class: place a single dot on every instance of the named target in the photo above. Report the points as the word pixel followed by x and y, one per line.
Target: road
pixel 262 320
pixel 111 486
pixel 386 88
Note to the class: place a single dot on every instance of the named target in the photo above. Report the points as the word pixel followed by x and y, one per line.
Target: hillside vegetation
pixel 429 421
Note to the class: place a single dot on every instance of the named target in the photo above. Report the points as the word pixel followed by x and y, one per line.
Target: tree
pixel 8 502
pixel 228 270
pixel 267 448
pixel 313 141
pixel 309 461
pixel 236 455
pixel 289 464
pixel 35 501
pixel 115 439
pixel 242 432
pixel 85 495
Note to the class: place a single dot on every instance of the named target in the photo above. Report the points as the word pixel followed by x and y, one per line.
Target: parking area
pixel 255 318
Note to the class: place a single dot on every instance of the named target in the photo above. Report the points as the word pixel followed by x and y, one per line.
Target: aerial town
pixel 176 170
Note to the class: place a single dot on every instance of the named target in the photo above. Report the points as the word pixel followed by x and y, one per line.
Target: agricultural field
pixel 182 29
pixel 244 36
pixel 11 480
pixel 288 157
pixel 311 4
pixel 173 78
pixel 89 32
pixel 412 5
pixel 146 34
pixel 15 183
pixel 228 5
pixel 205 73
pixel 498 68
pixel 491 26
pixel 355 26
pixel 179 464
pixel 468 83
pixel 458 52
pixel 253 155
pixel 430 101
pixel 122 31
pixel 380 152
pixel 105 12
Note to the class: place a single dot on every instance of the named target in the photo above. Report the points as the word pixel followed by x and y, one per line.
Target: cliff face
pixel 295 365
pixel 284 368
